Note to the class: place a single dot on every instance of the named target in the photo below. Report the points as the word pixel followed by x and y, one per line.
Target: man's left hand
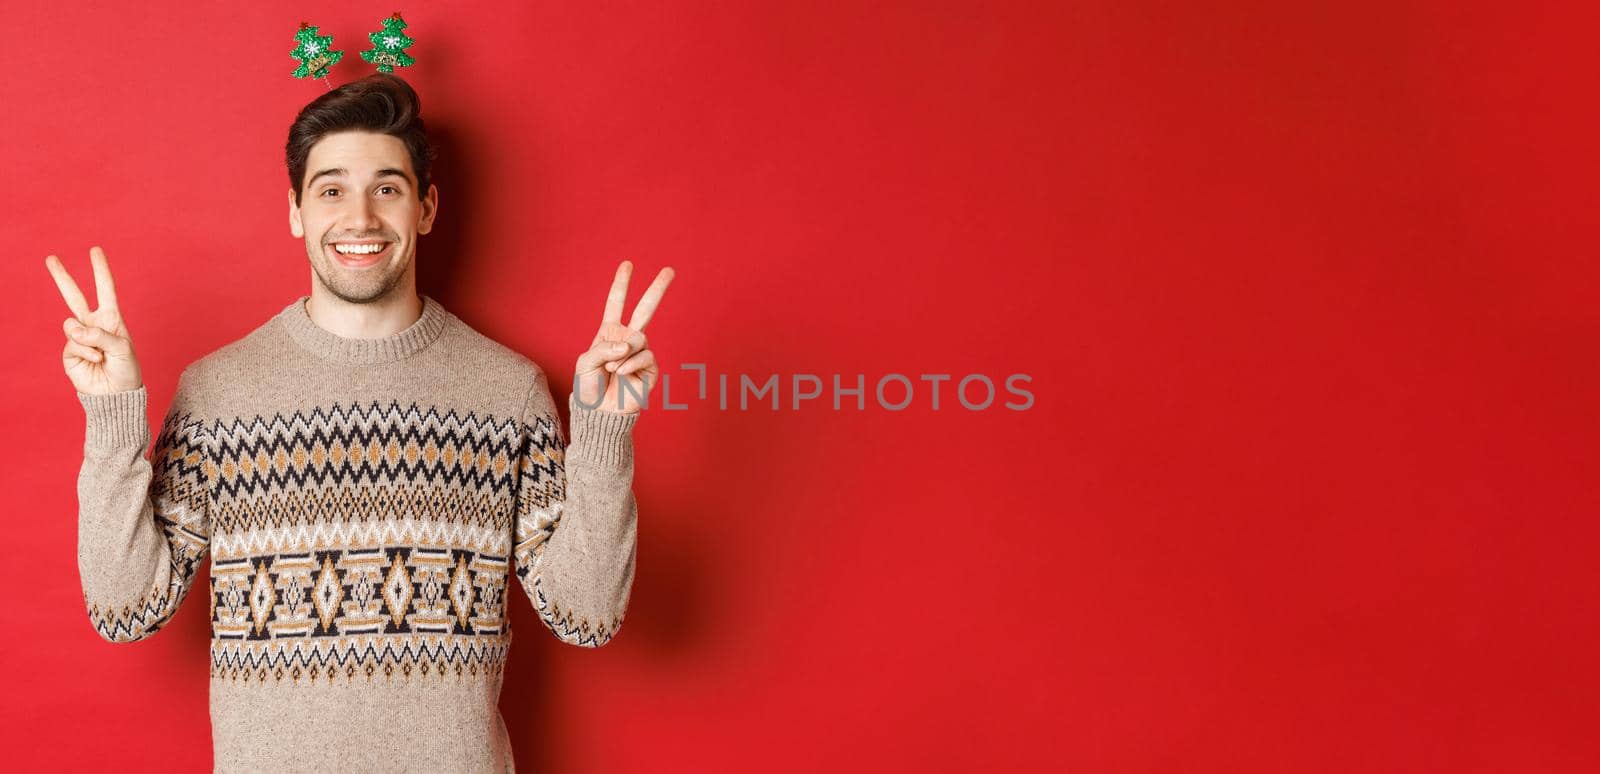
pixel 619 369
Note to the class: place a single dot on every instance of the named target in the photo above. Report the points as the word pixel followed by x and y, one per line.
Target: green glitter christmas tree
pixel 315 52
pixel 389 46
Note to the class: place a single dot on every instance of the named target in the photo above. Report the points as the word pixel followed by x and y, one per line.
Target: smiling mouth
pixel 356 259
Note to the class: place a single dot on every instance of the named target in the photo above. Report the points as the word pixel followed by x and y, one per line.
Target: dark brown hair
pixel 381 103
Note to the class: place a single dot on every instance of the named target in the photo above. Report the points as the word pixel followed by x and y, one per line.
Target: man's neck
pixel 373 320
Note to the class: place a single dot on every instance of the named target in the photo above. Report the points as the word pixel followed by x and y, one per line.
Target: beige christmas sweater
pixel 363 503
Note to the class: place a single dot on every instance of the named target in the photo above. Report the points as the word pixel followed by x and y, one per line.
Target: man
pixel 363 471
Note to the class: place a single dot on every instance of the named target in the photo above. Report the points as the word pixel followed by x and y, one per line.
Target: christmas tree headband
pixel 316 52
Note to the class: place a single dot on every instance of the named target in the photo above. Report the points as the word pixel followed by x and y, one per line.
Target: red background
pixel 1307 292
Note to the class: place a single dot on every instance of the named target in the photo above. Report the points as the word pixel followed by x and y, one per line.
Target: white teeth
pixel 359 249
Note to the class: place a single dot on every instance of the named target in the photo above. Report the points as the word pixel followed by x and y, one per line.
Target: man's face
pixel 360 194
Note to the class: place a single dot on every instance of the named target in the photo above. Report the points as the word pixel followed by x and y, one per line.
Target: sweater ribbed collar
pixel 328 345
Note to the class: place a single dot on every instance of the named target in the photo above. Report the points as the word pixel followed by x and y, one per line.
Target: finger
pixel 69 289
pixel 652 298
pixel 72 363
pixel 592 359
pixel 76 351
pixel 618 294
pixel 635 342
pixel 638 362
pixel 104 291
pixel 103 340
pixel 72 326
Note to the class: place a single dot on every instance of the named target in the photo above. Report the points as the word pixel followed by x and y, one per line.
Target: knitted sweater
pixel 362 502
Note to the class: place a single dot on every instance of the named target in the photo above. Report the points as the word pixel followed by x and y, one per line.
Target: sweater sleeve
pixel 143 525
pixel 576 518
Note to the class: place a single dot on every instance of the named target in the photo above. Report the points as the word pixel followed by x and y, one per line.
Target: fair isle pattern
pixel 361 657
pixel 265 585
pixel 566 625
pixel 372 541
pixel 359 591
pixel 442 532
pixel 277 512
pixel 180 472
pixel 343 462
pixel 540 497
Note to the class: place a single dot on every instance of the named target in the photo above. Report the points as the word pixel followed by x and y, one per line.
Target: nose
pixel 364 216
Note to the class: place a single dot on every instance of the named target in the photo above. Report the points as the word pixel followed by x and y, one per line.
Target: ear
pixel 295 227
pixel 430 208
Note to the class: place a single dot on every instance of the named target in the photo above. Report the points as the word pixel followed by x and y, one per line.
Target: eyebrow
pixel 341 172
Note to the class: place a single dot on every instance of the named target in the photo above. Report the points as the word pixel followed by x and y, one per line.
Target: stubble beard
pixel 363 290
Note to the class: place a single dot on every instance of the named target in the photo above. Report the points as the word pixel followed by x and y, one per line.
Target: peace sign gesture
pixel 99 356
pixel 621 351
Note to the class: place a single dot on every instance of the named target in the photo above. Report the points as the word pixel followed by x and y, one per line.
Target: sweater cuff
pixel 601 437
pixel 116 419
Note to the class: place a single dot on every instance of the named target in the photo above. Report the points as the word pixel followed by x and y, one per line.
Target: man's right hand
pixel 99 355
